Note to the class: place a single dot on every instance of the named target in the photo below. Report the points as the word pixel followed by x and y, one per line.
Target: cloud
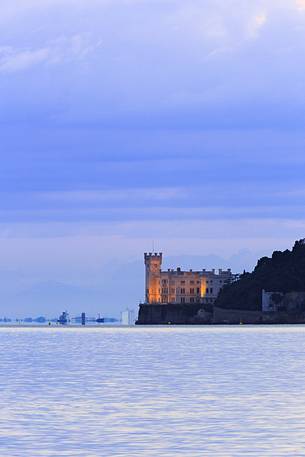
pixel 300 4
pixel 13 60
pixel 161 61
pixel 221 24
pixel 62 49
pixel 186 128
pixel 256 23
pixel 131 195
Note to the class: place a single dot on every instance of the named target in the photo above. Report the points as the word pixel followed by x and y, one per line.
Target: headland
pixel 274 293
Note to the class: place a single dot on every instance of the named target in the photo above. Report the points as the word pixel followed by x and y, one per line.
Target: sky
pixel 132 124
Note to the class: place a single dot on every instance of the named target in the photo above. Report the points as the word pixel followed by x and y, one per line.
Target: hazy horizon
pixel 125 123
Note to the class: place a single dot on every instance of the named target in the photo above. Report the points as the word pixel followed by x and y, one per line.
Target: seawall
pixel 194 314
pixel 173 314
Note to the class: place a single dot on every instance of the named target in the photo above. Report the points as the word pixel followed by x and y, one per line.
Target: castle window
pixel 211 290
pixel 192 291
pixel 182 282
pixel 182 300
pixel 192 282
pixel 183 291
pixel 192 300
pixel 164 281
pixel 198 290
pixel 207 291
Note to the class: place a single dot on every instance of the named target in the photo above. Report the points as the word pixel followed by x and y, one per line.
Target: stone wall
pixel 234 316
pixel 194 314
pixel 173 314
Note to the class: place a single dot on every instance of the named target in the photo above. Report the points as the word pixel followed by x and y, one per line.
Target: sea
pixel 153 391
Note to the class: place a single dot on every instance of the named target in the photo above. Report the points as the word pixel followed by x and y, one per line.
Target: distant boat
pixel 100 320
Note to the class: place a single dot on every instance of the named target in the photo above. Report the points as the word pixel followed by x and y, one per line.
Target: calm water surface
pixel 209 391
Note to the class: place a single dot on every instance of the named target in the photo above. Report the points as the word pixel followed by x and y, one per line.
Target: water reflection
pixel 224 391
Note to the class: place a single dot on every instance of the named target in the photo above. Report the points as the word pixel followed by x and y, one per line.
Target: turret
pixel 153 263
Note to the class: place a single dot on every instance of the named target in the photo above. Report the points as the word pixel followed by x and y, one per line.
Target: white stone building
pixel 127 317
pixel 177 286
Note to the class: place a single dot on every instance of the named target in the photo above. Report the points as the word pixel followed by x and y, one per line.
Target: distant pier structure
pixel 64 318
pixel 176 286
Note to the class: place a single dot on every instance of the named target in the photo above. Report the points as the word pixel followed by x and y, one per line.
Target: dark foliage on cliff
pixel 283 272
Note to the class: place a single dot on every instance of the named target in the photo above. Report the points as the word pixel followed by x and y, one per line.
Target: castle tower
pixel 153 277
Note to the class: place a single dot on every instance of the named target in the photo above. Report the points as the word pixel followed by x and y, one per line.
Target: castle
pixel 181 287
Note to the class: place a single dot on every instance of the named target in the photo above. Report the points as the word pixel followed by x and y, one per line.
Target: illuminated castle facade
pixel 177 286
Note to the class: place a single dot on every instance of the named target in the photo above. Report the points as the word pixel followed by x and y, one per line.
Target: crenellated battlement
pixel 152 255
pixel 153 262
